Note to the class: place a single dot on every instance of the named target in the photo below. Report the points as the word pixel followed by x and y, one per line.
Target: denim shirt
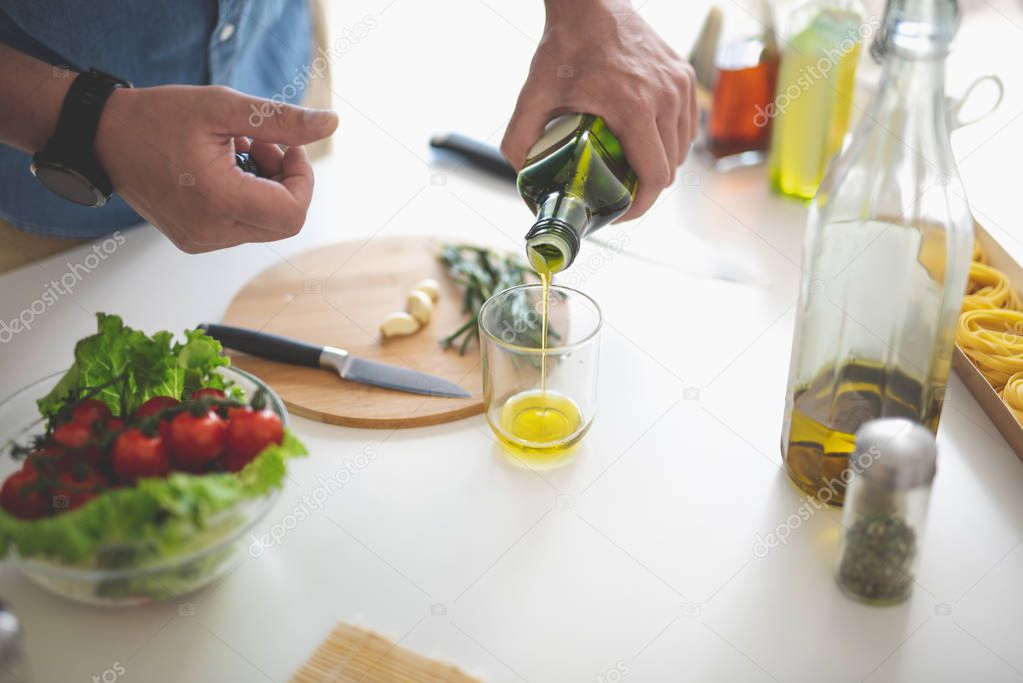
pixel 256 46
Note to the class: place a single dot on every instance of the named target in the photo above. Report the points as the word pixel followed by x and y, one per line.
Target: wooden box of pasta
pixel 989 338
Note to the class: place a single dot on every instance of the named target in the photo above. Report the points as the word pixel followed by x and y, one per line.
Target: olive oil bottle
pixel 576 180
pixel 886 256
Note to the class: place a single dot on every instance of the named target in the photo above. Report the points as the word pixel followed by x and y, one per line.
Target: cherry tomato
pixel 79 441
pixel 31 466
pixel 209 391
pixel 234 411
pixel 90 411
pixel 248 433
pixel 72 435
pixel 114 424
pixel 74 489
pixel 48 461
pixel 155 405
pixel 21 499
pixel 196 441
pixel 136 455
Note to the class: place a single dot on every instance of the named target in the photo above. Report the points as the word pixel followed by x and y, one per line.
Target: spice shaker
pixel 893 465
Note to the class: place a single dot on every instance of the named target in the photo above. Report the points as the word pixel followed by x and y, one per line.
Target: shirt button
pixel 226 32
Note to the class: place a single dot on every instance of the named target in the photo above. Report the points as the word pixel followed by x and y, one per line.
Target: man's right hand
pixel 169 152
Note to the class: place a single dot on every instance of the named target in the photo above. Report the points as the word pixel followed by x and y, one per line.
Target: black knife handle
pixel 479 154
pixel 264 345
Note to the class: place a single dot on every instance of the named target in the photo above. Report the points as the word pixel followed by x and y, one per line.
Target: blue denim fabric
pixel 148 42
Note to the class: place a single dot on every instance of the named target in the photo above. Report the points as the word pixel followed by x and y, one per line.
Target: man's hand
pixel 599 57
pixel 169 152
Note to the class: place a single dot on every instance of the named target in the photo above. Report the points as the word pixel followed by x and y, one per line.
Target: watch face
pixel 68 183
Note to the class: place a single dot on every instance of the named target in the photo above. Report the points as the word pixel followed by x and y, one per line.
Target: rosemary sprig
pixel 481 272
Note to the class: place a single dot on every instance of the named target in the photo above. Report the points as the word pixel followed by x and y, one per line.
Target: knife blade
pixel 295 352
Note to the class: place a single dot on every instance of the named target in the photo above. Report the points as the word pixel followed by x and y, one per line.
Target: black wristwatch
pixel 67 165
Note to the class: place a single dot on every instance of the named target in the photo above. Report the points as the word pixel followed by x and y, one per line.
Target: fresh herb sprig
pixel 482 273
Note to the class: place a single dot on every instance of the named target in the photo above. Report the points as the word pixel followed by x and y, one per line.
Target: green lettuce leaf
pixel 124 367
pixel 155 519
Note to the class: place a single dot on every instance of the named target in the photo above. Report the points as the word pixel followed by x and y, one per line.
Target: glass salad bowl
pixel 136 572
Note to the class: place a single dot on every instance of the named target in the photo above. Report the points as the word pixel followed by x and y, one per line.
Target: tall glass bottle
pixel 814 94
pixel 576 180
pixel 885 262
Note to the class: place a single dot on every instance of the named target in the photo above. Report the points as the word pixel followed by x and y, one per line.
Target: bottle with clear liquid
pixel 576 180
pixel 814 94
pixel 885 262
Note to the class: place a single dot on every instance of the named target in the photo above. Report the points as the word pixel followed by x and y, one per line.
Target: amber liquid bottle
pixel 743 90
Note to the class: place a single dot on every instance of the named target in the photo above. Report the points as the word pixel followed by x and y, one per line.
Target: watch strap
pixel 81 111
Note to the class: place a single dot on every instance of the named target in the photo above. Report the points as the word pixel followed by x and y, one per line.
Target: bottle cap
pixel 895 452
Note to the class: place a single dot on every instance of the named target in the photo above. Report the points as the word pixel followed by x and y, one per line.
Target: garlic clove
pixel 419 305
pixel 398 325
pixel 429 287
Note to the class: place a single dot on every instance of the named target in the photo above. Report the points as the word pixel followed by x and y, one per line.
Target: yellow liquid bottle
pixel 813 99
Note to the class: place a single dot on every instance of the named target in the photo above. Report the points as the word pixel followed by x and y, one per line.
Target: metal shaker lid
pixel 895 452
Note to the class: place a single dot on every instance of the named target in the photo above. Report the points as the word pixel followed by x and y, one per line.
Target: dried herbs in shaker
pixel 893 467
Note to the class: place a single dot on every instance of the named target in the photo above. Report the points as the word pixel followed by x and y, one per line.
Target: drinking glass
pixel 540 404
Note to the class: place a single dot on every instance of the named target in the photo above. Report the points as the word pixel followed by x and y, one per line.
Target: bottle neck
pixel 912 106
pixel 564 208
pixel 916 28
pixel 561 222
pixel 920 83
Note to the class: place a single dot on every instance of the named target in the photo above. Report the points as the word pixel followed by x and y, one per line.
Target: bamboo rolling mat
pixel 354 655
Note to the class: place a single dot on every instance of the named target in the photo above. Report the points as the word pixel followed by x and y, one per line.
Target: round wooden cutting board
pixel 337 295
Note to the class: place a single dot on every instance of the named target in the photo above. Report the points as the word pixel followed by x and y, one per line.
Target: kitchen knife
pixel 476 153
pixel 294 352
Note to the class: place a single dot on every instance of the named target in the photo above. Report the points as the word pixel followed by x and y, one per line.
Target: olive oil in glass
pixel 885 260
pixel 548 420
pixel 539 419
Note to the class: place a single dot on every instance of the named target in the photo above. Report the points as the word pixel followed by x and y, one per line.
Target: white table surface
pixel 640 555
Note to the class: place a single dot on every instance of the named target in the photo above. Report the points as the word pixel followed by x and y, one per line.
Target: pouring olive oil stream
pixel 575 180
